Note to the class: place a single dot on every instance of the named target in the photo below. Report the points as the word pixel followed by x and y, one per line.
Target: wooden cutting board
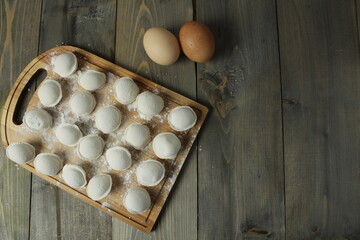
pixel 46 141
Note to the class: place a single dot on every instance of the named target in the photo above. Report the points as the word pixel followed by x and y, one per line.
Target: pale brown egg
pixel 197 41
pixel 161 46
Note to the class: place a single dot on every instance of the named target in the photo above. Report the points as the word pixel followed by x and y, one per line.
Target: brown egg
pixel 161 46
pixel 197 41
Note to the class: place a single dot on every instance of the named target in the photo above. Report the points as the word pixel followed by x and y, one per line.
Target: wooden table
pixel 279 154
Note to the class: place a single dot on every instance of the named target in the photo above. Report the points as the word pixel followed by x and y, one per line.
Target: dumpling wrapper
pixel 50 93
pixel 166 145
pixel 150 173
pixel 82 103
pixel 126 90
pixel 92 80
pixel 118 158
pixel 90 147
pixel 37 120
pixel 20 152
pixel 48 164
pixel 65 64
pixel 99 186
pixel 108 119
pixel 137 200
pixel 137 135
pixel 74 176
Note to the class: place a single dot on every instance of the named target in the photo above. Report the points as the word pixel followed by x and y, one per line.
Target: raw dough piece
pixel 90 147
pixel 149 104
pixel 92 80
pixel 37 119
pixel 126 90
pixel 82 103
pixel 137 135
pixel 74 176
pixel 150 173
pixel 68 134
pixel 137 200
pixel 182 118
pixel 99 186
pixel 50 93
pixel 166 145
pixel 48 164
pixel 65 64
pixel 119 158
pixel 20 152
pixel 108 119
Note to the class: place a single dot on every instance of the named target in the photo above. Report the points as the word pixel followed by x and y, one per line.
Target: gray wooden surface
pixel 278 156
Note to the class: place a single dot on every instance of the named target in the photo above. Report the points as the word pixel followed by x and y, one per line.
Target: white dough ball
pixel 68 134
pixel 182 118
pixel 20 152
pixel 48 164
pixel 119 158
pixel 166 145
pixel 50 93
pixel 92 80
pixel 150 173
pixel 37 119
pixel 108 119
pixel 74 176
pixel 99 186
pixel 82 103
pixel 149 104
pixel 65 64
pixel 137 200
pixel 137 135
pixel 90 147
pixel 126 90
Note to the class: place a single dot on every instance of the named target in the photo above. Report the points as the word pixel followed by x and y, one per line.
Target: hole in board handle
pixel 26 95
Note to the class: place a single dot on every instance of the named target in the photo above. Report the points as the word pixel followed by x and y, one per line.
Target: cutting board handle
pixel 13 102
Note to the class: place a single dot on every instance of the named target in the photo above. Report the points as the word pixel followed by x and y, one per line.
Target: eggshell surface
pixel 161 46
pixel 197 41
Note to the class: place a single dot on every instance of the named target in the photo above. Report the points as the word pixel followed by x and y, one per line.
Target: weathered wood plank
pixel 320 81
pixel 240 160
pixel 88 25
pixel 18 45
pixel 179 217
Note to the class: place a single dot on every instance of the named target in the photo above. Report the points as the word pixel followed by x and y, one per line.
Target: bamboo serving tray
pixel 46 141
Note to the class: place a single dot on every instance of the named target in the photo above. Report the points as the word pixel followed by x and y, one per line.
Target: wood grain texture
pixel 18 45
pixel 179 218
pixel 89 25
pixel 320 81
pixel 240 160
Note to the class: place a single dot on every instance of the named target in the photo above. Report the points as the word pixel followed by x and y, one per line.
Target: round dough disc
pixel 90 147
pixel 166 145
pixel 119 158
pixel 74 176
pixel 137 135
pixel 92 80
pixel 108 119
pixel 65 64
pixel 150 173
pixel 50 93
pixel 20 152
pixel 37 119
pixel 149 104
pixel 99 186
pixel 68 134
pixel 126 90
pixel 137 200
pixel 182 118
pixel 82 103
pixel 48 164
